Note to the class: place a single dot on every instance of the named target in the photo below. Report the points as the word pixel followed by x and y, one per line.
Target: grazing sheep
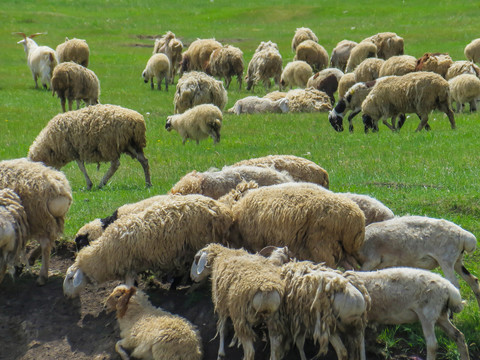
pixel 148 332
pixel 215 184
pixel 472 51
pixel 226 62
pixel 164 238
pixel 345 83
pixel 373 209
pixel 326 81
pixel 197 123
pixel 94 134
pixel 296 74
pixel 312 53
pixel 360 52
pixel 40 59
pixel 420 242
pixel 308 100
pixel 417 92
pixel 388 44
pixel 302 34
pixel 300 169
pixel 46 197
pixel 158 66
pixel 172 47
pixel 266 63
pixel 75 82
pixel 341 53
pixel 462 67
pixel 195 88
pixel 257 105
pixel 398 65
pixel 435 62
pixel 198 54
pixel 13 232
pixel 465 88
pixel 75 50
pixel 368 70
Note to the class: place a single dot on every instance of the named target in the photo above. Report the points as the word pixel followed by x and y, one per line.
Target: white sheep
pixel 388 44
pixel 472 51
pixel 462 67
pixel 226 62
pixel 361 51
pixel 266 63
pixel 75 82
pixel 435 62
pixel 40 59
pixel 97 133
pixel 46 197
pixel 148 332
pixel 398 65
pixel 164 238
pixel 302 34
pixel 195 88
pixel 296 74
pixel 368 70
pixel 341 53
pixel 172 47
pixel 258 105
pixel 75 50
pixel 158 66
pixel 198 54
pixel 308 100
pixel 197 123
pixel 421 242
pixel 313 53
pixel 465 88
pixel 374 210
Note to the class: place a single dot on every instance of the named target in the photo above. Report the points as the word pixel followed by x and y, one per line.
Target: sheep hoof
pixel 41 281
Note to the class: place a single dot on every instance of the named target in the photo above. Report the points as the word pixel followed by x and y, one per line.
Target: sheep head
pixel 200 269
pixel 74 282
pixel 119 298
pixel 336 115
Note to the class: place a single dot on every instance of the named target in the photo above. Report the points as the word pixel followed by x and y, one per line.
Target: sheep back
pixel 296 73
pixel 226 62
pixel 464 88
pixel 368 70
pixel 360 52
pixel 388 44
pixel 398 65
pixel 373 209
pixel 302 34
pixel 198 54
pixel 435 62
pixel 341 53
pixel 472 51
pixel 312 53
pixel 265 64
pixel 75 50
pixel 462 67
pixel 345 83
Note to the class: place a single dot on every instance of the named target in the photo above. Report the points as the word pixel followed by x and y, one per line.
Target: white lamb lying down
pixel 257 105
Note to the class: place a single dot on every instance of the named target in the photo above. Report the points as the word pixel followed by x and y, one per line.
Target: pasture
pixel 428 173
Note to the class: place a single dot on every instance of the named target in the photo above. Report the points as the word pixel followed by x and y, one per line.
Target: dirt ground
pixel 40 323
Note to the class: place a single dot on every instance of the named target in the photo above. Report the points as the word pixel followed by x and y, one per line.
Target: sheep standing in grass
pixel 172 47
pixel 327 81
pixel 75 82
pixel 75 50
pixel 226 62
pixel 148 332
pixel 462 67
pixel 360 52
pixel 266 63
pixel 312 53
pixel 258 105
pixel 296 74
pixel 302 34
pixel 388 44
pixel 398 65
pixel 435 62
pixel 158 66
pixel 95 134
pixel 472 51
pixel 345 83
pixel 368 70
pixel 46 197
pixel 341 53
pixel 198 54
pixel 197 123
pixel 465 88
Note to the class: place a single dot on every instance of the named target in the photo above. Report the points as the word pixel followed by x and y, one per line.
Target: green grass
pixel 429 173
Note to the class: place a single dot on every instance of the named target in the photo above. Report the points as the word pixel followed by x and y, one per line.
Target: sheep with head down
pixel 226 62
pixel 398 65
pixel 296 74
pixel 266 63
pixel 472 51
pixel 158 66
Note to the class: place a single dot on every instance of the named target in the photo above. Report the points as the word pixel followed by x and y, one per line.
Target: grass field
pixel 429 173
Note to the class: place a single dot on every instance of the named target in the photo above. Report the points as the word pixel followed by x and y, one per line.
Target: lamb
pixel 75 82
pixel 226 62
pixel 312 53
pixel 164 238
pixel 300 169
pixel 388 44
pixel 435 62
pixel 266 63
pixel 345 83
pixel 341 53
pixel 420 242
pixel 40 59
pixel 472 51
pixel 198 54
pixel 418 92
pixel 13 232
pixel 296 74
pixel 197 123
pixel 398 65
pixel 97 133
pixel 368 70
pixel 195 88
pixel 308 100
pixel 257 105
pixel 158 66
pixel 75 50
pixel 148 332
pixel 215 184
pixel 172 47
pixel 462 67
pixel 46 197
pixel 360 52
pixel 326 81
pixel 374 210
pixel 302 34
pixel 465 88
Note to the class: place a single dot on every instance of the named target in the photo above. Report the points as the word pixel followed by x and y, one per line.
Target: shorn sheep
pixel 46 197
pixel 158 66
pixel 312 53
pixel 472 51
pixel 418 92
pixel 465 88
pixel 95 134
pixel 265 64
pixel 40 59
pixel 302 34
pixel 341 53
pixel 148 332
pixel 258 105
pixel 226 62
pixel 296 74
pixel 75 50
pixel 388 44
pixel 195 88
pixel 162 238
pixel 169 45
pixel 75 82
pixel 197 123
pixel 374 210
pixel 420 242
pixel 398 65
pixel 360 52
pixel 198 54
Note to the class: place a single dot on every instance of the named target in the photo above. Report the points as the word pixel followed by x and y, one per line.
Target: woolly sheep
pixel 148 332
pixel 226 62
pixel 296 74
pixel 472 51
pixel 368 70
pixel 215 184
pixel 308 100
pixel 172 47
pixel 257 105
pixel 341 53
pixel 326 81
pixel 462 67
pixel 13 232
pixel 266 63
pixel 75 82
pixel 360 52
pixel 435 62
pixel 197 123
pixel 300 169
pixel 40 59
pixel 418 92
pixel 198 54
pixel 345 83
pixel 195 88
pixel 164 238
pixel 46 197
pixel 388 44
pixel 420 242
pixel 158 66
pixel 75 50
pixel 374 210
pixel 312 53
pixel 302 34
pixel 398 65
pixel 465 88
pixel 97 133
pixel 275 95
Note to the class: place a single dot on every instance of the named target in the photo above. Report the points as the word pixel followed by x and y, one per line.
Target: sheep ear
pixel 77 278
pixel 122 304
pixel 267 251
pixel 202 262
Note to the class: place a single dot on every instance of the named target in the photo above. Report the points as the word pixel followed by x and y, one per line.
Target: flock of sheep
pixel 267 231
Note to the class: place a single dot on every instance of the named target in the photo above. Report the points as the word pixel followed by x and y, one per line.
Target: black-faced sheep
pixel 75 50
pixel 158 66
pixel 465 88
pixel 312 53
pixel 226 62
pixel 197 123
pixel 341 53
pixel 368 70
pixel 360 52
pixel 258 105
pixel 302 34
pixel 472 51
pixel 388 44
pixel 148 332
pixel 398 65
pixel 266 63
pixel 296 74
pixel 95 134
pixel 198 54
pixel 435 62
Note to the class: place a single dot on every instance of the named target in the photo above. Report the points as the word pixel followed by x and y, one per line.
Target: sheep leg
pixel 35 79
pixel 70 101
pixel 473 106
pixel 300 343
pixel 340 349
pixel 401 121
pixel 471 280
pixel 143 161
pixel 454 334
pixel 248 349
pixel 151 84
pixel 46 248
pixel 239 81
pixel 62 101
pixel 221 331
pixel 81 165
pixel 423 122
pixel 78 104
pixel 121 351
pixel 167 80
pixel 449 272
pixel 428 328
pixel 228 79
pixel 350 119
pixel 114 165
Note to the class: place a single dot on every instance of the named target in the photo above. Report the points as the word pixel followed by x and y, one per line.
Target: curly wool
pixel 308 100
pixel 75 50
pixel 398 65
